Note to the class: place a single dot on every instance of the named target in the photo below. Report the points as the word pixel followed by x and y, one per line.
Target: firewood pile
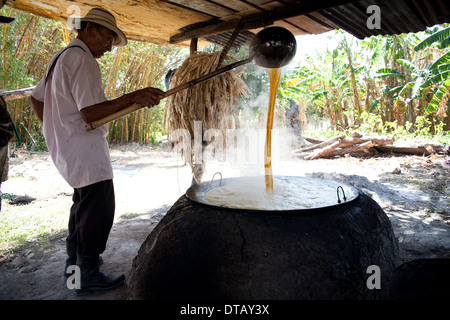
pixel 361 146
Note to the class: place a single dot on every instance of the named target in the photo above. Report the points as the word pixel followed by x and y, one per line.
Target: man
pixel 68 97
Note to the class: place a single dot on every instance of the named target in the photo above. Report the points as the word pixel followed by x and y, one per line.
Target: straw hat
pixel 105 19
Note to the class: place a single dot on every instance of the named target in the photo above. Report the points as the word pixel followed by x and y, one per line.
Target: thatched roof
pixel 178 21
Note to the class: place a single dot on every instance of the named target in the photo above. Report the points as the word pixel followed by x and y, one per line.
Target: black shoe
pixel 71 250
pixel 92 279
pixel 102 281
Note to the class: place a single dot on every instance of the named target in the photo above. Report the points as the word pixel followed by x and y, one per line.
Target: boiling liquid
pixel 274 79
pixel 290 193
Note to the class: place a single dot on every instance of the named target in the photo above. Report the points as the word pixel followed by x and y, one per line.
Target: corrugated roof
pixel 395 16
pixel 177 21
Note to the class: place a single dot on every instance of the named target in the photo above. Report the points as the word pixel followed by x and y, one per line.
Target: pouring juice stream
pixel 274 79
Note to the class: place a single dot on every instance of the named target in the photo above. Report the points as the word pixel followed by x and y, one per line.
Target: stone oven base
pixel 202 252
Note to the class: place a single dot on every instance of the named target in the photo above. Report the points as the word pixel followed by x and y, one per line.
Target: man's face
pixel 100 40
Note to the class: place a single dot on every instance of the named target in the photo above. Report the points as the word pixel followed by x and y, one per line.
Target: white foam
pixel 288 194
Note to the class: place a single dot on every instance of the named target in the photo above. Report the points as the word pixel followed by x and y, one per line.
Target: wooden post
pixel 198 167
pixel 193 46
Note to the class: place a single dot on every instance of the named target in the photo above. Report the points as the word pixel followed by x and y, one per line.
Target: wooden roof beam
pixel 258 20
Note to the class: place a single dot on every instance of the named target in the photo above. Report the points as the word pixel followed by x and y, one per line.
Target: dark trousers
pixel 91 217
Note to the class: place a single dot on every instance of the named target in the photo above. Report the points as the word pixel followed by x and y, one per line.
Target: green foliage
pixel 437 35
pixel 438 71
pixel 389 72
pixel 378 82
pixel 26 43
pixel 381 84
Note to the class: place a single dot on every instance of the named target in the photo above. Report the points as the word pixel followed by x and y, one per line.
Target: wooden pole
pixel 16 94
pixel 124 112
pixel 193 46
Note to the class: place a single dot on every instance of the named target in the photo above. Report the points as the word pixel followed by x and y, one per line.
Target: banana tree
pixel 295 90
pixel 408 88
pixel 348 44
pixel 322 90
pixel 438 77
pixel 403 76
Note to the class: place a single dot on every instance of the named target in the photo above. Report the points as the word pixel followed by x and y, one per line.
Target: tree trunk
pixel 353 84
pixel 447 118
pixel 420 150
pixel 359 148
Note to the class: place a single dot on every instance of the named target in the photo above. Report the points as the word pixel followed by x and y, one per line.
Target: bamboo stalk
pixel 66 35
pixel 4 51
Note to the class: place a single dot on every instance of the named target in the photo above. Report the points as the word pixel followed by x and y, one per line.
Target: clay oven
pixel 201 251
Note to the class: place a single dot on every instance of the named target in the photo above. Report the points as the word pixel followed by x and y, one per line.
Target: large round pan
pixel 197 193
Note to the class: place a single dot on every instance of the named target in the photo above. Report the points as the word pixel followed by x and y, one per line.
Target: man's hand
pixel 148 97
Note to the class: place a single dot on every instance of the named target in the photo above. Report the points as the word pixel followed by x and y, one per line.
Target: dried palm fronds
pixel 213 102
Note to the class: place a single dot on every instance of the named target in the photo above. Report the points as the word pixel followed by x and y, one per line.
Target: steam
pixel 240 151
pixel 244 148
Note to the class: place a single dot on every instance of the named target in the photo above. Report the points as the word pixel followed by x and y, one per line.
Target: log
pixel 312 140
pixel 346 142
pixel 363 147
pixel 319 145
pixel 339 146
pixel 380 141
pixel 426 149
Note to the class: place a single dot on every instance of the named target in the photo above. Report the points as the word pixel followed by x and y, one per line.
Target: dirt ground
pixel 414 191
